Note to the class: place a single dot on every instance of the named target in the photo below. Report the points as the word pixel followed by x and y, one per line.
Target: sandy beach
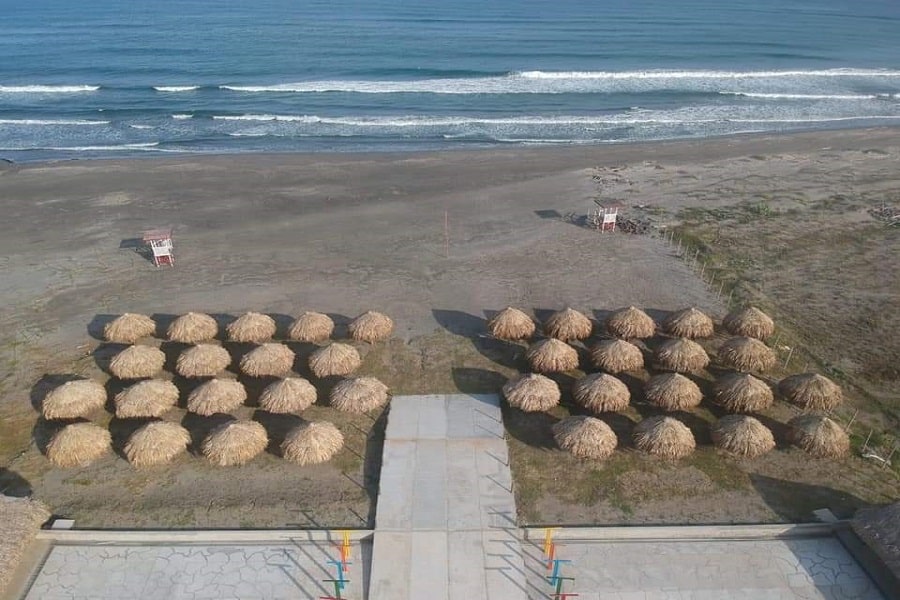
pixel 438 241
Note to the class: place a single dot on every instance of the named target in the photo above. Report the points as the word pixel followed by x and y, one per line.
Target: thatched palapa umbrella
pixel 290 395
pixel 203 360
pixel 251 327
pixel 742 435
pixel 811 391
pixel 311 327
pixel 156 443
pixel 78 445
pixel 511 324
pixel 630 323
pixel 585 437
pixel 312 443
pixel 552 356
pixel 742 392
pixel 137 362
pixel 532 393
pixel 568 324
pixel 689 323
pixel 192 328
pixel 129 328
pixel 150 398
pixel 672 391
pixel 746 354
pixel 73 399
pixel 664 436
pixel 749 322
pixel 617 356
pixel 235 443
pixel 681 355
pixel 268 360
pixel 371 327
pixel 819 436
pixel 20 520
pixel 601 393
pixel 216 396
pixel 334 359
pixel 359 395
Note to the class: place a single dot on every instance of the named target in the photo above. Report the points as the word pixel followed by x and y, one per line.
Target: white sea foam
pixel 141 126
pixel 181 117
pixel 176 88
pixel 150 146
pixel 51 122
pixel 47 89
pixel 560 82
pixel 767 96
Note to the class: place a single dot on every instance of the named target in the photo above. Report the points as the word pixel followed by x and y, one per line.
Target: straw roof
pixel 73 399
pixel 20 520
pixel 568 324
pixel 664 436
pixel 585 437
pixel 811 391
pixel 192 328
pixel 617 356
pixel 511 324
pixel 268 360
pixel 312 443
pixel 235 443
pixel 742 435
pixel 156 443
pixel 290 395
pixel 746 354
pixel 672 391
pixel 601 393
pixel 689 323
pixel 749 322
pixel 311 327
pixel 137 362
pixel 251 327
pixel 128 328
pixel 371 327
pixel 742 392
pixel 216 396
pixel 879 528
pixel 334 359
pixel 359 395
pixel 532 393
pixel 819 436
pixel 552 356
pixel 681 355
pixel 203 360
pixel 150 398
pixel 630 323
pixel 78 445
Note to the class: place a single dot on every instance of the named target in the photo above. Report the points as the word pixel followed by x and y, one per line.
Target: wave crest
pixel 47 89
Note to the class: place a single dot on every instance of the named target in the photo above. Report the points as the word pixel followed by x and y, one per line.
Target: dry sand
pixel 347 233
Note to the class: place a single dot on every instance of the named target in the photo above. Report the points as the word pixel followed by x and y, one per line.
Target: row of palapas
pixel 192 328
pixel 234 442
pixel 602 392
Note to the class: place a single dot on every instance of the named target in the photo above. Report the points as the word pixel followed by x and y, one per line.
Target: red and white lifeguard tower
pixel 161 247
pixel 605 215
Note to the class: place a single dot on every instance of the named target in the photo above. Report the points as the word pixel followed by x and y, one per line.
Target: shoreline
pixel 631 147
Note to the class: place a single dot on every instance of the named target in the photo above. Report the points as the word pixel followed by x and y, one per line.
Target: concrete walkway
pixel 445 524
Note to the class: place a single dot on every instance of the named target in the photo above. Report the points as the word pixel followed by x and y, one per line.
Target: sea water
pixel 117 78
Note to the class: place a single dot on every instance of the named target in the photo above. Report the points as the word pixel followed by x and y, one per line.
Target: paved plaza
pixel 446 530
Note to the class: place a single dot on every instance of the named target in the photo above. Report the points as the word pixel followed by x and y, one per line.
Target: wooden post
pixel 447 233
pixel 788 359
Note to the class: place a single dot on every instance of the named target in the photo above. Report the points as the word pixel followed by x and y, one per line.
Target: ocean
pixel 111 78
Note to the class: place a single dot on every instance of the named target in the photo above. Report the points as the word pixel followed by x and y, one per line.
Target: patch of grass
pixel 722 472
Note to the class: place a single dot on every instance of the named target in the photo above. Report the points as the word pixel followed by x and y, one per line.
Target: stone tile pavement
pixel 446 519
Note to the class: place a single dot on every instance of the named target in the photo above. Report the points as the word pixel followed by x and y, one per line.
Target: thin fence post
pixel 788 359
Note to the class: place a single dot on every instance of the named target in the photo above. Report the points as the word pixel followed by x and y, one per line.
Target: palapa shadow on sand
pixel 502 352
pixel 13 485
pixel 121 431
pixel 199 427
pixel 781 496
pixel 372 462
pixel 104 353
pixel 277 427
pixel 470 380
pixel 44 430
pixel 96 325
pixel 532 429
